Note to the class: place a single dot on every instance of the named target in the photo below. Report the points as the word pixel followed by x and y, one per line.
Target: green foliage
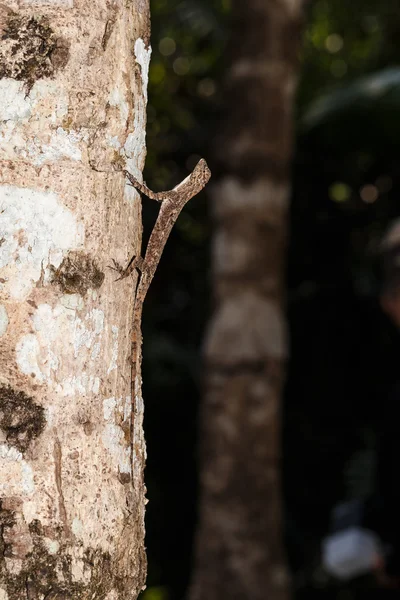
pixel 187 38
pixel 155 593
pixel 343 41
pixel 339 191
pixel 364 114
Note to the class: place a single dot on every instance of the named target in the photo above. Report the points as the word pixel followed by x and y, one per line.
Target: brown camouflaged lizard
pixel 172 202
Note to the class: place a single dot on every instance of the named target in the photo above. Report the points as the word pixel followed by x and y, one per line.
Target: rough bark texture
pixel 73 79
pixel 239 548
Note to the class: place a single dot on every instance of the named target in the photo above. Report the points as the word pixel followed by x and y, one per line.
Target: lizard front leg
pixel 136 262
pixel 158 196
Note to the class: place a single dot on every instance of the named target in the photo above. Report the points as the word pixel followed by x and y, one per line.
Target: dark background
pixel 344 352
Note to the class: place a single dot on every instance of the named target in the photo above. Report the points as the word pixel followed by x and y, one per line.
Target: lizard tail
pixel 136 367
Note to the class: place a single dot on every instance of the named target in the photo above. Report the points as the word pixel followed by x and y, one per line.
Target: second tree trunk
pixel 239 547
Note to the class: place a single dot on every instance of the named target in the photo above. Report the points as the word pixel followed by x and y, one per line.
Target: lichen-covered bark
pixel 73 85
pixel 239 548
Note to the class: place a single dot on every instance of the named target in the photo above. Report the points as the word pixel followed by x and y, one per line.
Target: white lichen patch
pixel 34 359
pixel 3 319
pixel 13 565
pixel 44 321
pixel 33 224
pixel 79 571
pixel 3 594
pixel 86 331
pixel 28 485
pixel 96 350
pixel 114 355
pixel 117 409
pixel 113 437
pixel 40 354
pixel 27 123
pixel 52 545
pixel 127 408
pixel 35 352
pixel 61 145
pixel 117 98
pixel 77 527
pixel 113 141
pixel 135 143
pixel 29 510
pixel 28 356
pixel 143 55
pixel 81 333
pixel 94 506
pixel 16 475
pixel 72 301
pixel 109 405
pixel 15 104
pixel 80 384
pixel 9 453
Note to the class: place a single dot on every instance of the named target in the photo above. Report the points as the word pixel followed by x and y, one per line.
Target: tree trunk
pixel 239 549
pixel 72 111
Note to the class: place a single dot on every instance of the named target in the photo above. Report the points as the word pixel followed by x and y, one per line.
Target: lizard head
pixel 201 172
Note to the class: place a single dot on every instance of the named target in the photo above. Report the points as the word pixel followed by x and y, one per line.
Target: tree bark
pixel 73 93
pixel 239 547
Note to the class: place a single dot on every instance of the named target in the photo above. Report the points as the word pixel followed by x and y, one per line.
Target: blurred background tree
pixel 344 354
pixel 239 541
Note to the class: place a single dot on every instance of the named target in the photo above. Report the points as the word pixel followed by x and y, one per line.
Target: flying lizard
pixel 172 202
